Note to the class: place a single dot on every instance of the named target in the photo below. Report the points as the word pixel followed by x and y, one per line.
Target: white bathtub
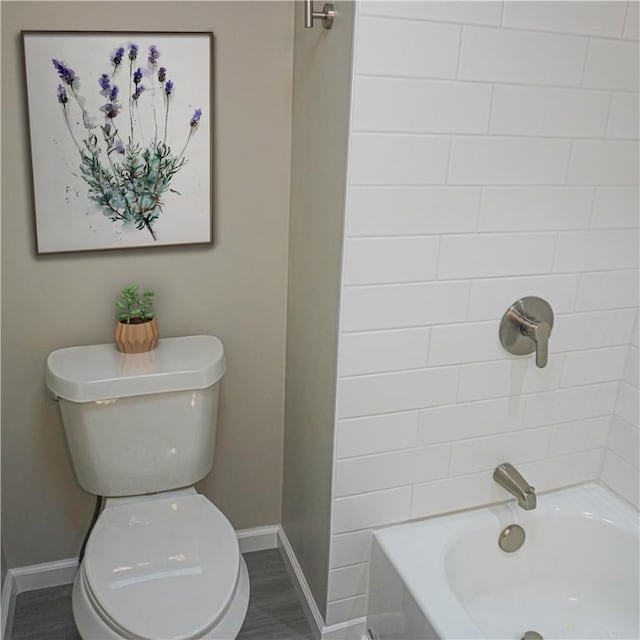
pixel 576 575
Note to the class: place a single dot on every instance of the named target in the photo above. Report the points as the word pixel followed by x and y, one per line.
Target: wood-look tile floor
pixel 274 611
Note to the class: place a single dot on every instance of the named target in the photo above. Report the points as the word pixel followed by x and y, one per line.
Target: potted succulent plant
pixel 137 329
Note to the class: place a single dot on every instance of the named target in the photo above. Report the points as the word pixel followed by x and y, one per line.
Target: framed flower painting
pixel 121 138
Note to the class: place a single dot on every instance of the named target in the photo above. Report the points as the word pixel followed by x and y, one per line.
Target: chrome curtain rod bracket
pixel 327 15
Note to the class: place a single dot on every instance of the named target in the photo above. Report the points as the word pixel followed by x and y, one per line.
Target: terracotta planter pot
pixel 138 336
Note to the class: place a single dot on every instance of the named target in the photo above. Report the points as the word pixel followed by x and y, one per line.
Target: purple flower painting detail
pixel 66 74
pixel 126 163
pixel 110 110
pixel 62 95
pixel 195 119
pixel 116 59
pixel 154 54
pixel 105 84
pixel 193 125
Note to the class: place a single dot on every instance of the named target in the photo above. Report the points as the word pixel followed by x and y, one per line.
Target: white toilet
pixel 162 562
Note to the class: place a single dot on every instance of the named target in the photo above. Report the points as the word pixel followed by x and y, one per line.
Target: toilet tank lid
pixel 101 372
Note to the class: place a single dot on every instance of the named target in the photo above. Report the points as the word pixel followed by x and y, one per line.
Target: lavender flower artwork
pixel 121 138
pixel 124 158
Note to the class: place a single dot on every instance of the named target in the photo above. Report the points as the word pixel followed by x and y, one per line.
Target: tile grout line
pixel 509 83
pixel 499 26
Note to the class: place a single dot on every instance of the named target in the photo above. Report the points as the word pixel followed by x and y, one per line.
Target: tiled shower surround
pixel 493 155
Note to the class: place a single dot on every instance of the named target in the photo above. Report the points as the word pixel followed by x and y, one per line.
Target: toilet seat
pixel 161 567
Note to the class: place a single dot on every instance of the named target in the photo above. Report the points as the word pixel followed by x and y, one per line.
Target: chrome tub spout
pixel 510 479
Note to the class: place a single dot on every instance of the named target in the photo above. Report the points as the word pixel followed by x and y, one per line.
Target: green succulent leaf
pixel 132 305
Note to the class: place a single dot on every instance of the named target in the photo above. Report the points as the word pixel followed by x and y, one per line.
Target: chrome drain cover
pixel 532 635
pixel 511 539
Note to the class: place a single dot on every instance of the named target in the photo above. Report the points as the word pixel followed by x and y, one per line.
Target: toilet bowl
pixel 162 562
pixel 166 566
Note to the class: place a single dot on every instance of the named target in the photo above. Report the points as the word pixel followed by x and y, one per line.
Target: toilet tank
pixel 139 423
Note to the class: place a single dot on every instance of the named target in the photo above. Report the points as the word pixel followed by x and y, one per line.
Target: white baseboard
pixel 9 595
pixel 258 538
pixel 351 630
pixel 54 574
pixel 300 584
pixel 45 575
pixel 35 576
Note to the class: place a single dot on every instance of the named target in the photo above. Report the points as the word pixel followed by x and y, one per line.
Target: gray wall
pixel 321 90
pixel 236 290
pixel 3 568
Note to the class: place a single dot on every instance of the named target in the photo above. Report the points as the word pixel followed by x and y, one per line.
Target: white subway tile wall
pixel 424 106
pixel 412 48
pixel 399 211
pixel 535 208
pixel 388 260
pixel 418 159
pixel 349 581
pixel 487 13
pixel 379 351
pixel 350 548
pixel 521 57
pixel 621 465
pixel 493 155
pixel 611 64
pixel 613 162
pixel 568 112
pixel 503 160
pixel 588 18
pixel 507 378
pixel 593 330
pixel 632 25
pixel 346 609
pixel 623 117
pixel 616 206
pixel 376 434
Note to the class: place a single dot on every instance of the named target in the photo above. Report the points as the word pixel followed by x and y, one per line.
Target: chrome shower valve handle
pixel 526 327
